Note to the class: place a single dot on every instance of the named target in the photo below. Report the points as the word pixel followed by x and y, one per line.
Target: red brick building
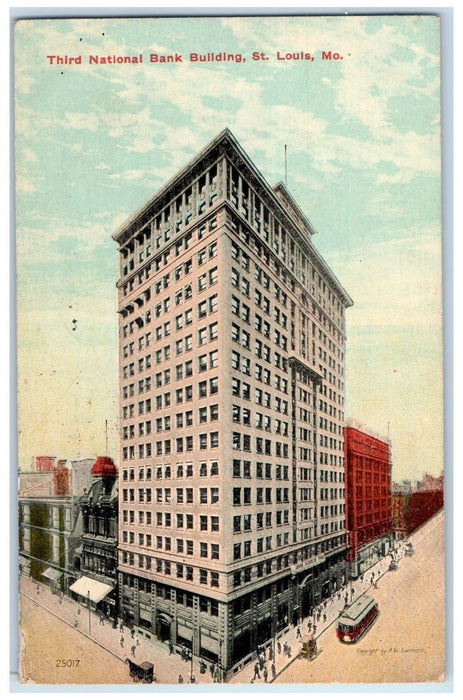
pixel 368 498
pixel 45 463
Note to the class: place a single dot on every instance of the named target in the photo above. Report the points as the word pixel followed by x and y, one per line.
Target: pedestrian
pixel 314 628
pixel 180 678
pixel 256 671
pixel 289 652
pixel 309 625
pixel 324 617
pixel 265 674
pixel 133 650
pixel 261 662
pixel 279 647
pixel 171 648
pixel 38 590
pixel 298 632
pixel 132 632
pixel 121 627
pixel 138 642
pixel 274 671
pixel 122 640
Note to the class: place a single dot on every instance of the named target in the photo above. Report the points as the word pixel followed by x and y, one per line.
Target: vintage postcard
pixel 229 333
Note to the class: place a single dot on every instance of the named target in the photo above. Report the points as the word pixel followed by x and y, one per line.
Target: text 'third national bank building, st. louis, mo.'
pixel 231 354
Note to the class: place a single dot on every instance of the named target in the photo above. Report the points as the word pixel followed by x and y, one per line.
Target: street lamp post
pixel 192 678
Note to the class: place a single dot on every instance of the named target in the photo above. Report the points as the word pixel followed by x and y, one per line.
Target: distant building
pixel 48 538
pixel 430 483
pixel 49 524
pixel 96 559
pixel 80 476
pixel 413 507
pixel 399 502
pixel 44 463
pixel 39 484
pixel 368 498
pixel 404 486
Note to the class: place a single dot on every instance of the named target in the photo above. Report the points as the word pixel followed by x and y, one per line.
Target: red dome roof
pixel 104 466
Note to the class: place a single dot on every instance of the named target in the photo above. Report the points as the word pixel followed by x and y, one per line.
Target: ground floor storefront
pixel 227 635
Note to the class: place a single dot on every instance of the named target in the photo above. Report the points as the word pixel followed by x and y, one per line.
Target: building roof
pixel 277 198
pixel 104 466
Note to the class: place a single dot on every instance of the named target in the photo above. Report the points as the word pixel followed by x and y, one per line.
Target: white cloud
pixel 403 279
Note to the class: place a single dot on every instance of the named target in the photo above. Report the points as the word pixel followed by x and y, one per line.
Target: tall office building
pixel 232 349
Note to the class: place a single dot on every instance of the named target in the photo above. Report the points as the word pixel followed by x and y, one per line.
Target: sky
pixel 95 141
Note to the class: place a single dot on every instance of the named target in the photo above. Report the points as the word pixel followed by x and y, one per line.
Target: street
pixel 54 653
pixel 406 643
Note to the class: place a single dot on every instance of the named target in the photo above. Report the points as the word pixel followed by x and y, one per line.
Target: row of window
pixel 243 415
pixel 242 441
pixel 165 495
pixel 247 521
pixel 242 550
pixel 243 495
pixel 181 571
pixel 165 471
pixel 205 441
pixel 242 469
pixel 167 543
pixel 242 389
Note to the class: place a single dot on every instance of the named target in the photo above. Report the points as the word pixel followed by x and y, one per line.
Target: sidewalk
pixel 167 667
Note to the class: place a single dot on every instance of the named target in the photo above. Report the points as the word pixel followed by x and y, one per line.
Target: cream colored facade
pixel 232 347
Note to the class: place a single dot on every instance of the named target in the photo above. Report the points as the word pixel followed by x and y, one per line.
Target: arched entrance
pixel 163 627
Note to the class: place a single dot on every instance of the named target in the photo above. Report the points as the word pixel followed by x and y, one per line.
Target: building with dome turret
pixel 96 558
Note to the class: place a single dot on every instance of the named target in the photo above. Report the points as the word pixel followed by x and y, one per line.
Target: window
pixel 203 415
pixel 203 441
pixel 202 336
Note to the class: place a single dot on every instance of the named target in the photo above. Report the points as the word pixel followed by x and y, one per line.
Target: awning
pixel 52 574
pixel 90 588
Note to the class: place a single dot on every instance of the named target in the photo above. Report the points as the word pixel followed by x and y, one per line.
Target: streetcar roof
pixel 357 610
